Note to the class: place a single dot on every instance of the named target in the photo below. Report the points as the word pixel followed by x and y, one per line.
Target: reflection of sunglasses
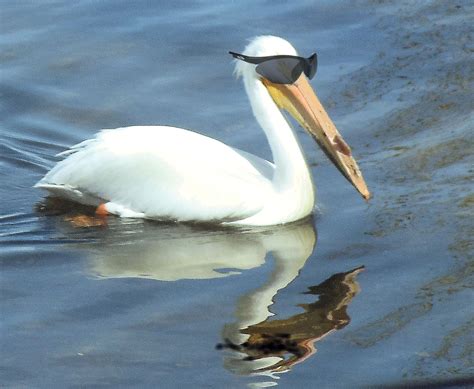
pixel 282 69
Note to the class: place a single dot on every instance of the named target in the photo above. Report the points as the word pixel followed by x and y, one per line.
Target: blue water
pixel 360 295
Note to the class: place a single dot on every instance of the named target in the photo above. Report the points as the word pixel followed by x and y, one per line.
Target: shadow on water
pixel 256 344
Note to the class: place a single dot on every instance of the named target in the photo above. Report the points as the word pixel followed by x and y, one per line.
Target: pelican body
pixel 169 173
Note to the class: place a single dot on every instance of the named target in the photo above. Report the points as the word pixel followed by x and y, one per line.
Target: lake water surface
pixel 363 294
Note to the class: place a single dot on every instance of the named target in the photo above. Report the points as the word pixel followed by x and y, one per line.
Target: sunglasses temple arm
pixel 246 58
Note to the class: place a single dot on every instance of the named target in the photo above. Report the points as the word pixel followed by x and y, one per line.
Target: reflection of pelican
pixel 184 252
pixel 170 173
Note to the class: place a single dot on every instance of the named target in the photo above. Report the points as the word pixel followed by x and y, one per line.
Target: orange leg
pixel 101 210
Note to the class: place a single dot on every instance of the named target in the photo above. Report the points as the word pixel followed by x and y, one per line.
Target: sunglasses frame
pixel 310 64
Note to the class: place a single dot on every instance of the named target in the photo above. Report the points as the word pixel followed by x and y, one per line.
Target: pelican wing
pixel 162 172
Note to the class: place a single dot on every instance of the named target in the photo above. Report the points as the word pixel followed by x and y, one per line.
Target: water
pixel 360 295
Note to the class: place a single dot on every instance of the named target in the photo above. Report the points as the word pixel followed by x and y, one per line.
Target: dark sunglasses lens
pixel 281 70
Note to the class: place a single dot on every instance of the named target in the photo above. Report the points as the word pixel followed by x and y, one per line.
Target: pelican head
pixel 285 80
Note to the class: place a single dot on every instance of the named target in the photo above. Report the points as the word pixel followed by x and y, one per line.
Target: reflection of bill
pixel 273 340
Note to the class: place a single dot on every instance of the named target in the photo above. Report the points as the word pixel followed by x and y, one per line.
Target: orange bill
pixel 301 102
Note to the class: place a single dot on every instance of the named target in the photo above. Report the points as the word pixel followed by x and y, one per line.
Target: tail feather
pixel 70 193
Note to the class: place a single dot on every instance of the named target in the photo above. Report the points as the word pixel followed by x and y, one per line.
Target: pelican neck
pixel 291 168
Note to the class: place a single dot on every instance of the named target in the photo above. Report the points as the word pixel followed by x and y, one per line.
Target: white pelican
pixel 169 173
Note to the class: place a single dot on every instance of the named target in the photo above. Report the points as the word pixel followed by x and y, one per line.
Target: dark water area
pixel 374 294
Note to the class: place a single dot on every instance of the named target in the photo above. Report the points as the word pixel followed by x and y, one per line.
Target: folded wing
pixel 163 173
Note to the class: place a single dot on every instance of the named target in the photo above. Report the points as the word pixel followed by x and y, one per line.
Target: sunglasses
pixel 282 69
